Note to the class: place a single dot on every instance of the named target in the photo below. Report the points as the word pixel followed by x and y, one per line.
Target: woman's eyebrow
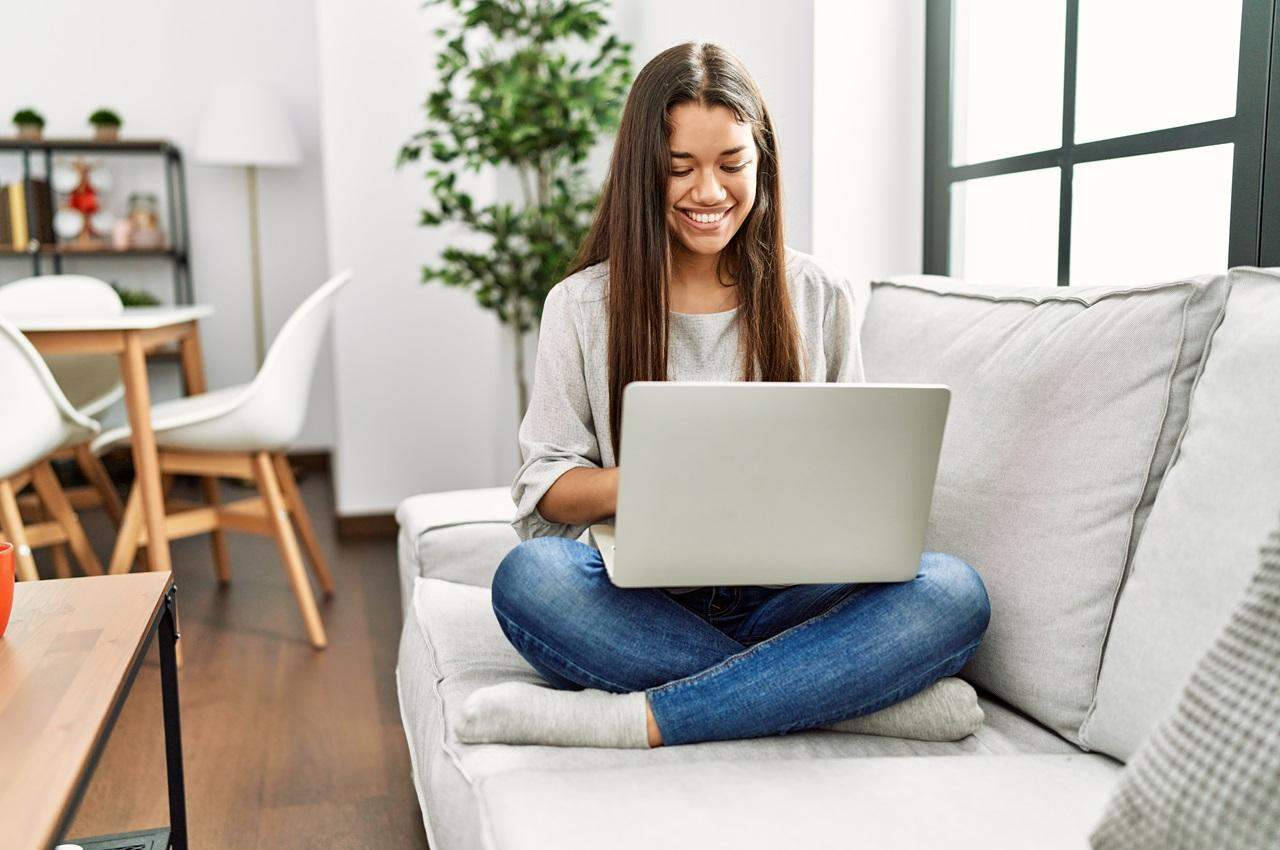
pixel 729 152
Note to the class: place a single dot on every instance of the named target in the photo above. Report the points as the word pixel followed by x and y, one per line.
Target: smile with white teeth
pixel 704 218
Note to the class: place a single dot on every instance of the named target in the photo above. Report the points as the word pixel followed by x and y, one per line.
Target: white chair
pixel 242 432
pixel 91 382
pixel 36 421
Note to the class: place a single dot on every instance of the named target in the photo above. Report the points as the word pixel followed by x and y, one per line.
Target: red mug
pixel 6 585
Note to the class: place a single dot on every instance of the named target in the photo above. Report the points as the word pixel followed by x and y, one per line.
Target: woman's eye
pixel 684 173
pixel 734 169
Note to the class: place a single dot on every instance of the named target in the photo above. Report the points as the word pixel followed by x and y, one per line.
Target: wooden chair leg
pixel 58 551
pixel 55 502
pixel 278 515
pixel 11 519
pixel 126 548
pixel 96 473
pixel 306 531
pixel 61 566
pixel 217 538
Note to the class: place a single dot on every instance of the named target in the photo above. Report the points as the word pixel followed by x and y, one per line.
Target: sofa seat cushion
pixel 458 536
pixel 1066 405
pixel 1219 499
pixel 883 803
pixel 452 644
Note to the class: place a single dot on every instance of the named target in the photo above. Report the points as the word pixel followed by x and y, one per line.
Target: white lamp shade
pixel 244 124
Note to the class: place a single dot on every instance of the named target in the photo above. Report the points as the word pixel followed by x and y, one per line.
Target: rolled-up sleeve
pixel 557 433
pixel 841 330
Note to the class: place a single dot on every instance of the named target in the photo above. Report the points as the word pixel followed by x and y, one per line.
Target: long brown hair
pixel 630 229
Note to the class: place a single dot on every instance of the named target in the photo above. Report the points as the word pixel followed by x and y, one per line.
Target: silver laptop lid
pixel 775 483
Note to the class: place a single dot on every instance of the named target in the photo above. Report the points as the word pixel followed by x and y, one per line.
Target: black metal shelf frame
pixel 1254 131
pixel 175 182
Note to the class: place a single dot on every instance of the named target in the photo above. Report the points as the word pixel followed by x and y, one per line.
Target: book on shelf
pixel 40 206
pixel 15 200
pixel 6 222
pixel 28 206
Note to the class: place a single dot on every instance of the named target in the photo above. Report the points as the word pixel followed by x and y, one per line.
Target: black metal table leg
pixel 172 723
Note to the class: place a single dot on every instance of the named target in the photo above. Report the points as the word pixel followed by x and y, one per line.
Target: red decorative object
pixel 6 585
pixel 83 197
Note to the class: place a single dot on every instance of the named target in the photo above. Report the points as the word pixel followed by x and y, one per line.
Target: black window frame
pixel 1254 131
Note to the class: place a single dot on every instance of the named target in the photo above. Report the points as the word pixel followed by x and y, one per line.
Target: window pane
pixel 1005 229
pixel 1149 64
pixel 1150 218
pixel 1007 78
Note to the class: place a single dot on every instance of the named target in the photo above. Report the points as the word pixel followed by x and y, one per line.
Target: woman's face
pixel 713 176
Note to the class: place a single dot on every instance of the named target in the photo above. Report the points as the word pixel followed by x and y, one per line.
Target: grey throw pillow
pixel 1209 776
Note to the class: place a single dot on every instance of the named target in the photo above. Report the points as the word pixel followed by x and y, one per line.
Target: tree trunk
pixel 522 387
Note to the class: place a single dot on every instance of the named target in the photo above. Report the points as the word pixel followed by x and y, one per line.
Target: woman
pixel 684 276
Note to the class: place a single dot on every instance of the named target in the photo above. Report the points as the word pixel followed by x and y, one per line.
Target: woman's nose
pixel 707 190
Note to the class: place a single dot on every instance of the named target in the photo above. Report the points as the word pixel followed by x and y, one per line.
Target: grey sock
pixel 521 713
pixel 947 710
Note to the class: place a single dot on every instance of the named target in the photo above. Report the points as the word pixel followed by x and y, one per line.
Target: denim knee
pixel 961 587
pixel 534 574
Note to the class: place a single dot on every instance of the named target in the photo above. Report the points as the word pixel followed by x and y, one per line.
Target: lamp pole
pixel 255 256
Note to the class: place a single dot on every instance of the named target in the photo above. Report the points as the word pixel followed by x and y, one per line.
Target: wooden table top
pixel 63 666
pixel 132 319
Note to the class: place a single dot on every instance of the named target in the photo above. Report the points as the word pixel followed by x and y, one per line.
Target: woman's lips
pixel 690 218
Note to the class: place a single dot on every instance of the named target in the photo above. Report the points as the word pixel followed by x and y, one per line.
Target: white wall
pixel 155 62
pixel 868 136
pixel 424 393
pixel 425 401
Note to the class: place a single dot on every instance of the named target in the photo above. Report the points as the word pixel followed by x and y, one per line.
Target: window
pixel 1101 141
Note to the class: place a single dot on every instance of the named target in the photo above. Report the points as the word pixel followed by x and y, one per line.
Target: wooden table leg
pixel 146 463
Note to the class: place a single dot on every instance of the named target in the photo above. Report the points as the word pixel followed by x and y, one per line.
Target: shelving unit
pixel 178 250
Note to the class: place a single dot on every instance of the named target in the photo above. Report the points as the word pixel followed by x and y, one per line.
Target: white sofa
pixel 1111 464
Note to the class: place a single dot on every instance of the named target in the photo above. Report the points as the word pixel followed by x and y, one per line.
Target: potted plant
pixel 135 297
pixel 106 125
pixel 30 123
pixel 526 88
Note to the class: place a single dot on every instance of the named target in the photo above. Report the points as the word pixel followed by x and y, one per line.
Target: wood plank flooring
pixel 284 747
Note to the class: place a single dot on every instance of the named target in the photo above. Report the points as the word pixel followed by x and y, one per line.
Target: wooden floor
pixel 284 747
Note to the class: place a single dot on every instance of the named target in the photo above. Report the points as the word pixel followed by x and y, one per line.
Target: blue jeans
pixel 738 662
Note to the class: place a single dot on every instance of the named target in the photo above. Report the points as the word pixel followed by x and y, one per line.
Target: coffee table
pixel 67 662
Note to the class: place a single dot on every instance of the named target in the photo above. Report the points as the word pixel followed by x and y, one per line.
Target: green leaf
pixel 521 98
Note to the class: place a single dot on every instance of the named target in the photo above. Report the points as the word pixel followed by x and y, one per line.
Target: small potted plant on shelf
pixel 30 123
pixel 106 125
pixel 135 297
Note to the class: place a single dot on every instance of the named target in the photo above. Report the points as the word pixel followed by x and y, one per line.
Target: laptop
pixel 773 483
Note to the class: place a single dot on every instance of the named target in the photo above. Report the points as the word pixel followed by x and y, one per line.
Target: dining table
pixel 133 335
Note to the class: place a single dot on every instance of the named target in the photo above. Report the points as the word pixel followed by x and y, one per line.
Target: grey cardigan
pixel 567 424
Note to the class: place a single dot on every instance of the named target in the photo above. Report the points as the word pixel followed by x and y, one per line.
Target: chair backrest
pixel 34 415
pixel 47 296
pixel 278 395
pixel 91 381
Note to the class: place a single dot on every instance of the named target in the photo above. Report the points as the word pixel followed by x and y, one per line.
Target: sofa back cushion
pixel 1066 406
pixel 1219 498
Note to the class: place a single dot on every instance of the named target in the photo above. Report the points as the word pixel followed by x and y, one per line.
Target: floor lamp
pixel 243 125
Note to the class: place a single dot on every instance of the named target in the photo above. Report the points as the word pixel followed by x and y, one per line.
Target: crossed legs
pixel 799 658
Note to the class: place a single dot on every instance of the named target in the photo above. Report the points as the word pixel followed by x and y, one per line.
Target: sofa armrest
pixel 459 536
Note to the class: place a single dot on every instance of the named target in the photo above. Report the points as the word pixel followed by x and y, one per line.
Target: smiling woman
pixel 690 222
pixel 685 277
